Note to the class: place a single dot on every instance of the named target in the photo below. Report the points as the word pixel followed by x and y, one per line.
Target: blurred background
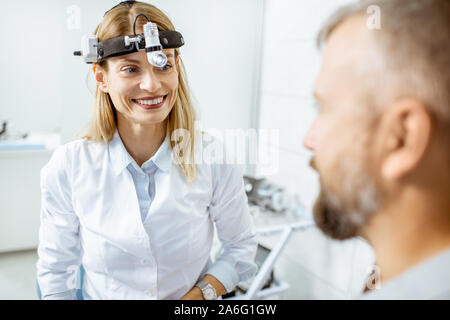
pixel 251 65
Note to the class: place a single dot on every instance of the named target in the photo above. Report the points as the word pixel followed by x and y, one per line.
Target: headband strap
pixel 116 46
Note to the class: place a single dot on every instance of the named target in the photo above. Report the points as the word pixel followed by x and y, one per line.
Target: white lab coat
pixel 90 216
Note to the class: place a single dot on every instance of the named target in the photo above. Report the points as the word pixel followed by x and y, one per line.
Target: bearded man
pixel 381 140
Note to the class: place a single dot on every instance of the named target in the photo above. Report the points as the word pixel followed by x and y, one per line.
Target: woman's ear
pixel 100 77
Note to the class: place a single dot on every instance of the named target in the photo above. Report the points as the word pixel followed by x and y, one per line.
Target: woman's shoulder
pixel 73 152
pixel 85 145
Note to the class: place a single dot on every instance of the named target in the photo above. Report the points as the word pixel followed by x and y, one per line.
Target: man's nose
pixel 309 142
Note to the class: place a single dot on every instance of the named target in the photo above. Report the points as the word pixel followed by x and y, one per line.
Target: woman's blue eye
pixel 166 67
pixel 130 70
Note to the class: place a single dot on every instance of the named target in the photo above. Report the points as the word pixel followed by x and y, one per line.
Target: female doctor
pixel 121 204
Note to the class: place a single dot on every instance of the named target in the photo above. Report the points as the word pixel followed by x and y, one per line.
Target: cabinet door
pixel 20 198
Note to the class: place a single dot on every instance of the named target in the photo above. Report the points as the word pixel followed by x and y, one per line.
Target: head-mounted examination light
pixel 153 46
pixel 153 41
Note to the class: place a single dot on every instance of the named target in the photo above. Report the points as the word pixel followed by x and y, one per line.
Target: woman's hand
pixel 196 294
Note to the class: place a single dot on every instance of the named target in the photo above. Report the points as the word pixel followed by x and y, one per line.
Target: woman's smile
pixel 150 103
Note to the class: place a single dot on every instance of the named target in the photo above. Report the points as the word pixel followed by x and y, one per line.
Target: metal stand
pixel 254 292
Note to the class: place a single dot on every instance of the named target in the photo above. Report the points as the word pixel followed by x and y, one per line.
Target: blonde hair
pixel 102 126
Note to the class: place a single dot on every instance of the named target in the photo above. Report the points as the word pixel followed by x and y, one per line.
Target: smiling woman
pixel 119 203
pixel 118 78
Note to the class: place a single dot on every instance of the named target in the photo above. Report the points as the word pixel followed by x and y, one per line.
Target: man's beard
pixel 342 214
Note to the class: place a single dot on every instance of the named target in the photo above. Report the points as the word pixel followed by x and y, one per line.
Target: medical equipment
pixel 265 195
pixel 10 135
pixel 269 196
pixel 153 41
pixel 152 45
pixel 264 285
pixel 3 130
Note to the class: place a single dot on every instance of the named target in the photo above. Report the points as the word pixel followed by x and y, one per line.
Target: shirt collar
pixel 120 158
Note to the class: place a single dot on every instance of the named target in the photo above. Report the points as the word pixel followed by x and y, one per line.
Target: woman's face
pixel 141 93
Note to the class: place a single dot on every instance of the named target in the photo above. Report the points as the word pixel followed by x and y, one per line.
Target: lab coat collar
pixel 163 157
pixel 120 158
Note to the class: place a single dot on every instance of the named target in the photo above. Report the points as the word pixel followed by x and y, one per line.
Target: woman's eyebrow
pixel 129 60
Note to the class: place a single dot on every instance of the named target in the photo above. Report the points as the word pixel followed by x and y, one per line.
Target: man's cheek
pixel 328 162
pixel 327 149
pixel 324 167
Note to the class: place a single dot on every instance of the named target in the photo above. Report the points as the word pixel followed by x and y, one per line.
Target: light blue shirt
pixel 144 182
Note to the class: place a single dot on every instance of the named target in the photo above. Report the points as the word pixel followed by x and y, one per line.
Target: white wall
pixel 31 77
pixel 43 86
pixel 290 63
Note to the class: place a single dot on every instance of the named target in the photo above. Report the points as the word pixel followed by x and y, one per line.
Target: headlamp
pixel 153 46
pixel 152 41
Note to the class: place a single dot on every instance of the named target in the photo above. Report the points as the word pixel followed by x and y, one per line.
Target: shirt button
pixel 144 261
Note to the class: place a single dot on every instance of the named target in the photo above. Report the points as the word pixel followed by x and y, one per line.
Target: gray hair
pixel 415 42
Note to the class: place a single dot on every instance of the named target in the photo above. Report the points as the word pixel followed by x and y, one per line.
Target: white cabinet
pixel 20 197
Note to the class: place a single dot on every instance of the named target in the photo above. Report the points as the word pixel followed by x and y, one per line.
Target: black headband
pixel 115 47
pixel 93 51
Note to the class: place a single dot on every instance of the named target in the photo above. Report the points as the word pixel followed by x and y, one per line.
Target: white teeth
pixel 150 102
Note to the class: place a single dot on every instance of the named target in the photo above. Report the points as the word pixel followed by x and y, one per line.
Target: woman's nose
pixel 150 82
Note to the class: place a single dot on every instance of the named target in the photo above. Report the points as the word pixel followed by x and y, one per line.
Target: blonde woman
pixel 119 203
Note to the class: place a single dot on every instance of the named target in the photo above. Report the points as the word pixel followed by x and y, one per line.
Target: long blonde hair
pixel 102 126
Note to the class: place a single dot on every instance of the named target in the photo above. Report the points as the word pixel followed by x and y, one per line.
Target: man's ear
pixel 100 77
pixel 406 133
